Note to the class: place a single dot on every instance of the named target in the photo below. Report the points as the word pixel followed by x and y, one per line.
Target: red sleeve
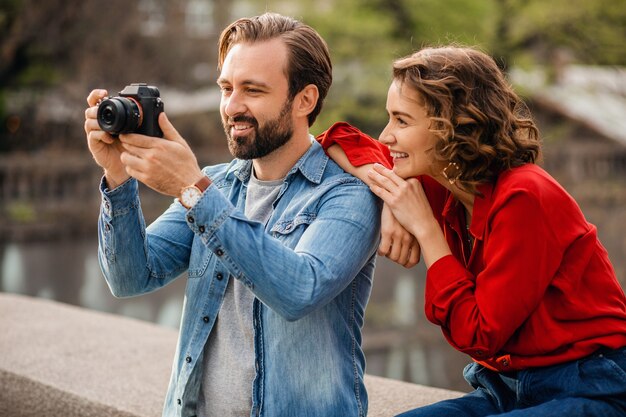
pixel 360 148
pixel 480 313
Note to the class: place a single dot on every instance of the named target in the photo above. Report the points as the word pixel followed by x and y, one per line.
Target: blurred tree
pixel 64 48
pixel 536 32
pixel 366 36
pixel 54 52
pixel 361 40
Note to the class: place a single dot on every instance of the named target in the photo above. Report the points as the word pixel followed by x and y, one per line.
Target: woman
pixel 517 278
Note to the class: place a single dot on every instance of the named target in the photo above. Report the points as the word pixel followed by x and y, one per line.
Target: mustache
pixel 242 119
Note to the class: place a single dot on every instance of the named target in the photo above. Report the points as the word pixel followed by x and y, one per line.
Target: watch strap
pixel 199 187
pixel 203 183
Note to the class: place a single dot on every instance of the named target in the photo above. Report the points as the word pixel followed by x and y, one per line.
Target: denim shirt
pixel 310 268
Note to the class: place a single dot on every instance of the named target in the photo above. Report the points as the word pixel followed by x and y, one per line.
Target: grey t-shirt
pixel 229 372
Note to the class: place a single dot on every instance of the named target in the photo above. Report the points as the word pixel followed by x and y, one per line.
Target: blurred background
pixel 566 57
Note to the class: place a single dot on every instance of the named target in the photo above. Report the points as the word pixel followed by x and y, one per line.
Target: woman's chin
pixel 402 173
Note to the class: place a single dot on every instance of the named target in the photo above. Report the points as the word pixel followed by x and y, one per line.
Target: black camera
pixel 135 110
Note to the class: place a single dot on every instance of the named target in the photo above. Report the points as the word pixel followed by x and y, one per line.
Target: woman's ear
pixel 306 100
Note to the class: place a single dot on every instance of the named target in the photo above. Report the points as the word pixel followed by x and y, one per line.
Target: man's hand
pixel 165 165
pixel 396 243
pixel 106 150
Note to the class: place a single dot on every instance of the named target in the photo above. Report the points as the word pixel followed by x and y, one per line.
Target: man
pixel 278 244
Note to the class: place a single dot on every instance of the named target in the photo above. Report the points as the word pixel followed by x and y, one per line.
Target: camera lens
pixel 108 116
pixel 119 115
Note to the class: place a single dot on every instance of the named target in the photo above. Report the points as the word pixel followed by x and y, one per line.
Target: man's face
pixel 255 109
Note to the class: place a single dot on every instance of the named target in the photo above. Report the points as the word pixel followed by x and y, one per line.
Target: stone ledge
pixel 61 360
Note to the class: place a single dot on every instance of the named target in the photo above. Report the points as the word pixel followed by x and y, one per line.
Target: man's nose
pixel 233 105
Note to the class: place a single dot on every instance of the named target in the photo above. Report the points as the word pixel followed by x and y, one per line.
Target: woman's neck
pixel 464 197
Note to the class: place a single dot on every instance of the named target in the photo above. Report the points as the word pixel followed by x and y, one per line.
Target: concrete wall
pixel 61 360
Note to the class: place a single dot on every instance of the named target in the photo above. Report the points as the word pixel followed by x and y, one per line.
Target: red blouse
pixel 538 288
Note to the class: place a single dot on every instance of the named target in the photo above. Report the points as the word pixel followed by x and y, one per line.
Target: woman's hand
pixel 410 207
pixel 396 243
pixel 405 198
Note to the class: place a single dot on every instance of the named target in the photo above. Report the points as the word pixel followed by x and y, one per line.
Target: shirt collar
pixel 312 165
pixel 482 205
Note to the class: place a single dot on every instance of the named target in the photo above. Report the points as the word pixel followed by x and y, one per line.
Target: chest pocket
pixel 290 230
pixel 199 260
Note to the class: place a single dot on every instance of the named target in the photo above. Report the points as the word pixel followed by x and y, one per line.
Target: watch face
pixel 190 196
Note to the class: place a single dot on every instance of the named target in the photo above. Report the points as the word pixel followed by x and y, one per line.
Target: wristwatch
pixel 191 194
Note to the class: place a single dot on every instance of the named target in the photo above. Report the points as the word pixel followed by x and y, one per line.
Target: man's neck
pixel 277 164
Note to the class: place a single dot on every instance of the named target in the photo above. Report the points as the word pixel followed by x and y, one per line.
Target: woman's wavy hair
pixel 483 126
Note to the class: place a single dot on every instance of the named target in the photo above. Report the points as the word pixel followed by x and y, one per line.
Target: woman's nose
pixel 386 137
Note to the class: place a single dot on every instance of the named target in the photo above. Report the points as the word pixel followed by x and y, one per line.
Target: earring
pixel 450 176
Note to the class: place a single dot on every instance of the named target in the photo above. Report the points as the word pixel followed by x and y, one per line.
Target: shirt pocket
pixel 289 230
pixel 199 259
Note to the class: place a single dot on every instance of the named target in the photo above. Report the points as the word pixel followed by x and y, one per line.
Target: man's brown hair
pixel 308 56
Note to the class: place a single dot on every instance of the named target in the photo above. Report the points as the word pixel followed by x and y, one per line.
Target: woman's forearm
pixel 339 156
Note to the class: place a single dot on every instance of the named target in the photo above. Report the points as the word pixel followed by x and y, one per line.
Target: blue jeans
pixel 592 386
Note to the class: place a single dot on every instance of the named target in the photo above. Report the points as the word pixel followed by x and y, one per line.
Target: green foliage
pixel 21 212
pixel 38 74
pixel 592 32
pixel 57 42
pixel 466 22
pixel 360 38
pixel 365 37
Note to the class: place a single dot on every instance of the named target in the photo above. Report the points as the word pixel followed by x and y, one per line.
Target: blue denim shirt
pixel 310 268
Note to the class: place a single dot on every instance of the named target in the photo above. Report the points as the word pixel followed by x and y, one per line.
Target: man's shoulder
pixel 338 184
pixel 333 173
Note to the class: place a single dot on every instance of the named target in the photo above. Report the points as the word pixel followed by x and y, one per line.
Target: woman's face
pixel 407 134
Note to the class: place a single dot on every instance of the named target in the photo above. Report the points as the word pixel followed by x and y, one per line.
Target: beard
pixel 264 139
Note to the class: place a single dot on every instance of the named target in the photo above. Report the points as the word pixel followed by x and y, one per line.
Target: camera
pixel 135 110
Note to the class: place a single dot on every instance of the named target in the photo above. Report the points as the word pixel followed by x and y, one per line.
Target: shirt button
pixel 178 401
pixel 205 319
pixel 505 362
pixel 190 219
pixel 201 229
pixel 219 252
pixel 219 276
pixel 188 359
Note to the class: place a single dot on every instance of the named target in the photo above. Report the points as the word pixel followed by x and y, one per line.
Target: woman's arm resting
pixel 396 243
